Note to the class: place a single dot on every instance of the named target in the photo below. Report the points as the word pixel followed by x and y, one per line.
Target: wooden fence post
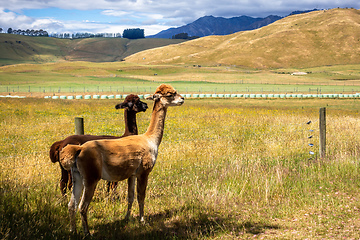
pixel 79 126
pixel 322 130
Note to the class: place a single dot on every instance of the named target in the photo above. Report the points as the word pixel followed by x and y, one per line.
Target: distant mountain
pixel 209 25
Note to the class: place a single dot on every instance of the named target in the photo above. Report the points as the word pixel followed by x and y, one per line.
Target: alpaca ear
pixel 118 106
pixel 155 97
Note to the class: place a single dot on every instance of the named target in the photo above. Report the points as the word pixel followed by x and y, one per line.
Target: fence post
pixel 79 126
pixel 322 130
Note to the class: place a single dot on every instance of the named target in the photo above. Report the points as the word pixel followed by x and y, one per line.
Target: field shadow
pixel 26 214
pixel 164 225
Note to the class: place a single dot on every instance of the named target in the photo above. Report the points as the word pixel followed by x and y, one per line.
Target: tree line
pixel 134 33
pixel 184 36
pixel 27 32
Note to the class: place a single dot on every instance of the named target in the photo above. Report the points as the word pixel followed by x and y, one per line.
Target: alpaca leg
pixel 70 182
pixel 114 186
pixel 141 191
pixel 131 195
pixel 84 205
pixel 62 187
pixel 108 184
pixel 64 180
pixel 111 186
pixel 75 197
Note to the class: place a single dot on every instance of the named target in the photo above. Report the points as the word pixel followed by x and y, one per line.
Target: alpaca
pixel 131 106
pixel 132 157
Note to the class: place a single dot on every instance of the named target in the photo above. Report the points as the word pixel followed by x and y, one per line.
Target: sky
pixel 113 16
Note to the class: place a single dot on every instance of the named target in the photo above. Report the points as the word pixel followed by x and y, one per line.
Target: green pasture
pixel 226 169
pixel 121 77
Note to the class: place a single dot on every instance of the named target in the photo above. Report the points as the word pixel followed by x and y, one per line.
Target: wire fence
pixel 299 128
pixel 239 86
pixel 20 173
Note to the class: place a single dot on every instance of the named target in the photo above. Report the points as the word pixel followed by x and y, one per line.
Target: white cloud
pixel 11 19
pixel 115 13
pixel 47 24
pixel 152 15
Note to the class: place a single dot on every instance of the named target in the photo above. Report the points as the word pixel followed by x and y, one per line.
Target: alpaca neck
pixel 157 123
pixel 130 123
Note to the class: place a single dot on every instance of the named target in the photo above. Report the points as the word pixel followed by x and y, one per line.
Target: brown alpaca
pixel 118 159
pixel 131 105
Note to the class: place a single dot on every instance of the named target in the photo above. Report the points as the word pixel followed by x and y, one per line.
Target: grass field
pixel 18 49
pixel 235 168
pixel 124 78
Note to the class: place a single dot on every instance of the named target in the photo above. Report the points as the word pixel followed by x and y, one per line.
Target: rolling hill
pixel 318 38
pixel 24 49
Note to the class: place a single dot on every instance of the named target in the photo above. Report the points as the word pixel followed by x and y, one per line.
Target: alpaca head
pixel 167 96
pixel 132 103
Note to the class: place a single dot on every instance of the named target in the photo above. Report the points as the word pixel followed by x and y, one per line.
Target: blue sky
pixel 113 16
pixel 66 15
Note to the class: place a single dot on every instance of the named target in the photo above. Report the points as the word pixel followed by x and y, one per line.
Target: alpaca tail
pixel 54 151
pixel 68 156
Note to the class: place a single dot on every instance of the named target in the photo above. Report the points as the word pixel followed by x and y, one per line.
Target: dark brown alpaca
pixel 132 106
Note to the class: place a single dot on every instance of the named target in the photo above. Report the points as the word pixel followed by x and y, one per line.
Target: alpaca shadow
pixel 165 226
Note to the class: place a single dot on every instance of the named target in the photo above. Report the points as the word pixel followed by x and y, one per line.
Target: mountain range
pixel 210 25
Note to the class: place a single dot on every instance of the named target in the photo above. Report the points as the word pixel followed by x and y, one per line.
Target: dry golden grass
pixel 326 37
pixel 227 169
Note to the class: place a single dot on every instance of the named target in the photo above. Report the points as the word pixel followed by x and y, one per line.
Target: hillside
pixel 317 38
pixel 210 25
pixel 22 49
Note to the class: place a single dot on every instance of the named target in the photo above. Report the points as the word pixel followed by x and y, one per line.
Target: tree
pixel 9 30
pixel 180 36
pixel 183 36
pixel 45 34
pixel 1 30
pixel 134 33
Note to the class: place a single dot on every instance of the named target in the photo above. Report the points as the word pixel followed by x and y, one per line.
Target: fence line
pixel 174 141
pixel 100 88
pixel 79 129
pixel 236 94
pixel 168 117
